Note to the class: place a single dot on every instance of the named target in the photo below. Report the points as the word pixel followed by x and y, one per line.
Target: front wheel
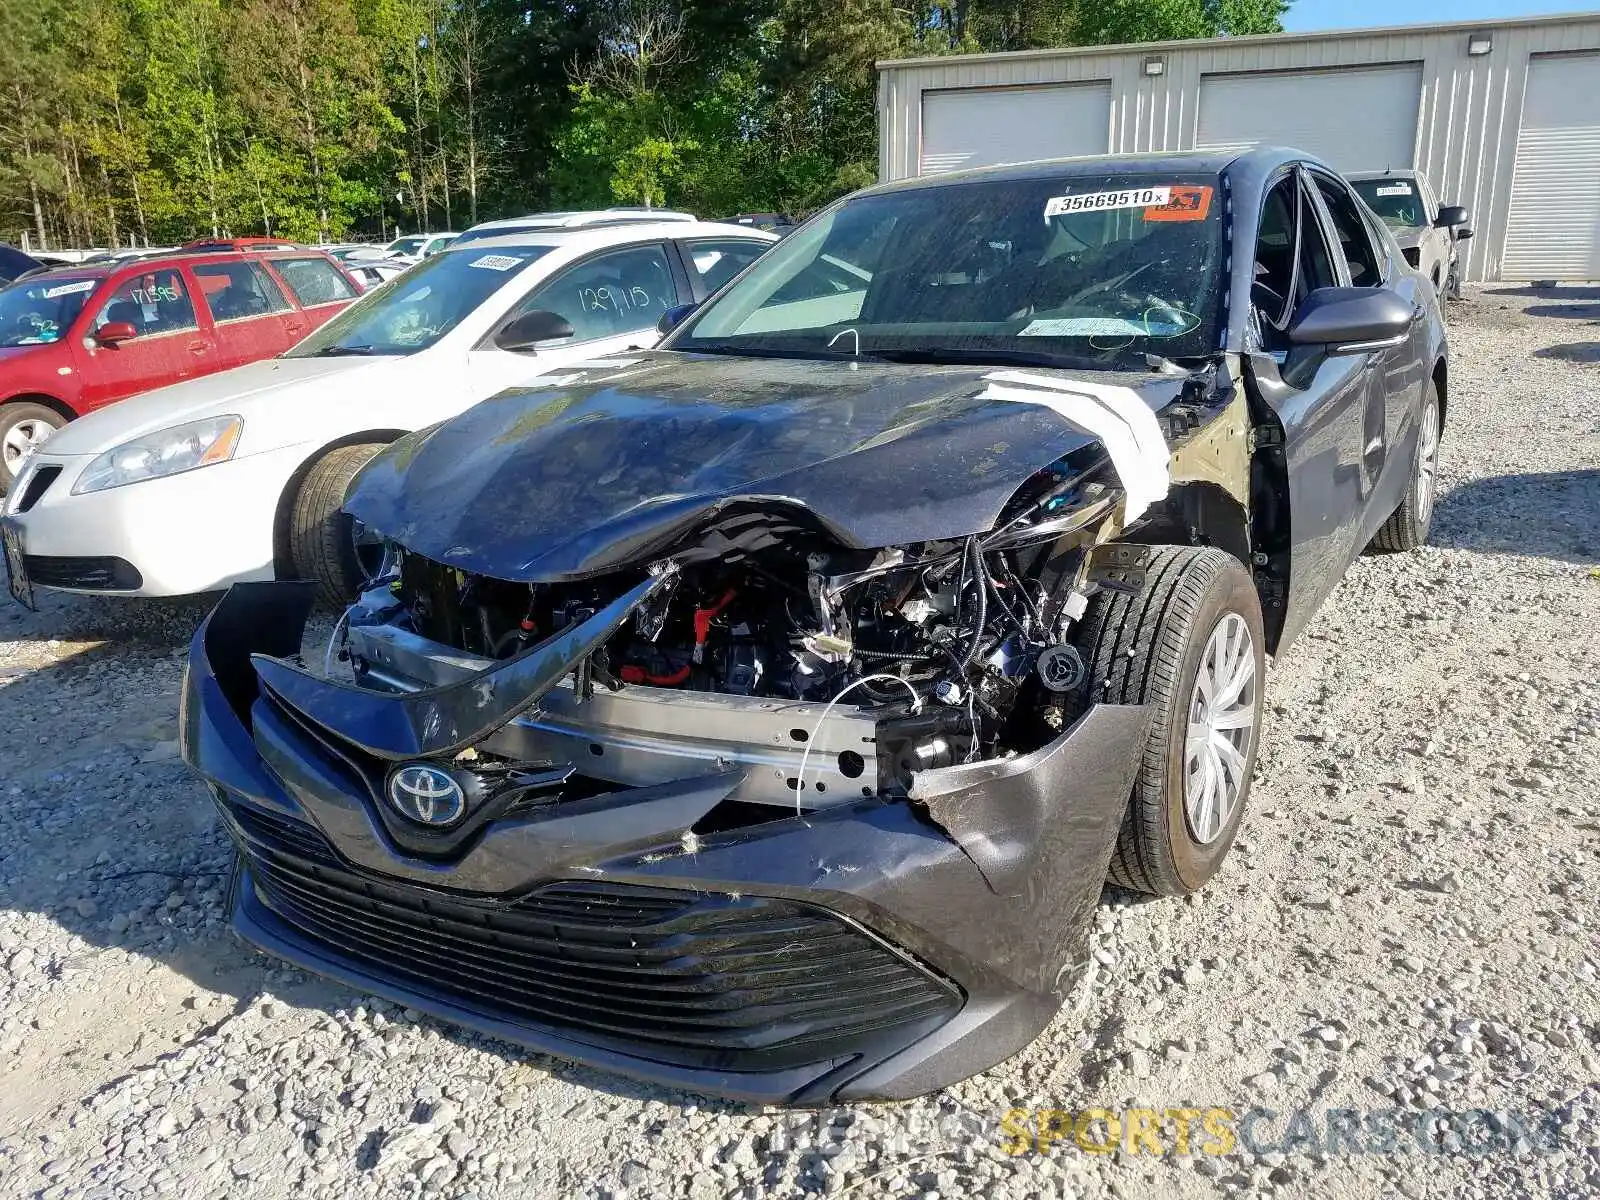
pixel 328 546
pixel 24 428
pixel 1190 646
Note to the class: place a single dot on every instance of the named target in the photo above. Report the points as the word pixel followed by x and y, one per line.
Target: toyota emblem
pixel 426 795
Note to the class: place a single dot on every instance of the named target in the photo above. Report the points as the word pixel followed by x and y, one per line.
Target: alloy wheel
pixel 1222 722
pixel 1427 462
pixel 21 440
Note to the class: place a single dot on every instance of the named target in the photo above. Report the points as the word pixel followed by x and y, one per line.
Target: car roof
pixel 586 217
pixel 1183 162
pixel 599 236
pixel 136 262
pixel 1386 173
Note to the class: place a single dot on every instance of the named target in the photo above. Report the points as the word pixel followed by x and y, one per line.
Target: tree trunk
pixel 33 183
pixel 472 150
pixel 133 173
pixel 111 207
pixel 419 178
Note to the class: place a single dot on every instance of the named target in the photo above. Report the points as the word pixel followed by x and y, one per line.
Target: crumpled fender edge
pixel 1008 814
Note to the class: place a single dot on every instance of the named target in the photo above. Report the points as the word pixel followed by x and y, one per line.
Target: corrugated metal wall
pixel 1468 117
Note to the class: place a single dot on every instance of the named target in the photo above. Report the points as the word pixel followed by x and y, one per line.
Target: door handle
pixel 294 328
pixel 197 348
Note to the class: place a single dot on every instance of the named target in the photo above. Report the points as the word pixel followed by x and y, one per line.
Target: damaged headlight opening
pixel 165 452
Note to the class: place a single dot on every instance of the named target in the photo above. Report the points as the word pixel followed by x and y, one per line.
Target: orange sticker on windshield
pixel 1183 204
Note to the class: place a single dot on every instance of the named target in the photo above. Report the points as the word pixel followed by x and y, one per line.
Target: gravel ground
pixel 1408 922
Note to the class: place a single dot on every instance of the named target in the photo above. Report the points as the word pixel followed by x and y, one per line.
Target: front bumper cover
pixel 636 931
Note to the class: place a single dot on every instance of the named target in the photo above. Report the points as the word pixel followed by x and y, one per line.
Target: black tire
pixel 1147 648
pixel 13 416
pixel 1407 527
pixel 322 539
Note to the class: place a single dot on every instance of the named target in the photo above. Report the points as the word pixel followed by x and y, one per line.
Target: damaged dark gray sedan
pixel 763 714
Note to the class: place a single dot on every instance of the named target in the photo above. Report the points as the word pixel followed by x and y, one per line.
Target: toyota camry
pixel 763 713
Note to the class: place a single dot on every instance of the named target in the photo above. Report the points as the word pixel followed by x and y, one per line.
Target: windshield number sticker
pixel 1394 189
pixel 69 289
pixel 1185 204
pixel 495 262
pixel 1058 206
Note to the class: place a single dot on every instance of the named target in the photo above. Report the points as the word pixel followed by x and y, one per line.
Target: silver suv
pixel 1428 233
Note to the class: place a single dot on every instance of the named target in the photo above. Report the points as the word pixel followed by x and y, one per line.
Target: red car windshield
pixel 40 310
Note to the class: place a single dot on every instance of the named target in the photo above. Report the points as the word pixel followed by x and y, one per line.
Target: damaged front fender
pixel 1013 816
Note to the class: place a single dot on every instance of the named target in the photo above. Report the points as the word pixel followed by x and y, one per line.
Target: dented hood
pixel 578 477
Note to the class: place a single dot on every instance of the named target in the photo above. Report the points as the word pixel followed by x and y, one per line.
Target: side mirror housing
pixel 1347 320
pixel 1449 216
pixel 673 317
pixel 1463 234
pixel 527 332
pixel 114 333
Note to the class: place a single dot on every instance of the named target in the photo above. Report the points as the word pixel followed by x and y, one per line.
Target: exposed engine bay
pixel 855 668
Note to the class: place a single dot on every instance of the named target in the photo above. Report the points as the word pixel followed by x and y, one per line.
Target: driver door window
pixel 1354 240
pixel 1292 260
pixel 613 294
pixel 154 302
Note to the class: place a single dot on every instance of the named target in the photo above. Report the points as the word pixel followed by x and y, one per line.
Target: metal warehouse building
pixel 1503 116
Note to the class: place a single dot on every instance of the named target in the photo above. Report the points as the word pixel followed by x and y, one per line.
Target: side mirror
pixel 1463 234
pixel 114 333
pixel 673 317
pixel 527 332
pixel 1450 215
pixel 1346 320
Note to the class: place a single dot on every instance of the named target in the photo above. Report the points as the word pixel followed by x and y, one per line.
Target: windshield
pixel 41 309
pixel 1083 270
pixel 406 245
pixel 414 311
pixel 1396 201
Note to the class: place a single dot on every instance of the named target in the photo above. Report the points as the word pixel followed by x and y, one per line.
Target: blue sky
pixel 1351 14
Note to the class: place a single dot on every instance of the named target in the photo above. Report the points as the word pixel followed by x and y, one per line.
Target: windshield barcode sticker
pixel 495 262
pixel 1148 197
pixel 68 289
pixel 1394 189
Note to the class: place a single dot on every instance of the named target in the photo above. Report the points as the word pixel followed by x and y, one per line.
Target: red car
pixel 79 338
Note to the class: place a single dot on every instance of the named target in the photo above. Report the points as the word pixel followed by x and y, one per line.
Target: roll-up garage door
pixel 1553 230
pixel 988 126
pixel 1357 119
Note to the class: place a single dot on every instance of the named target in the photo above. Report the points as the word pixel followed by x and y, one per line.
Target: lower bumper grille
pixel 101 574
pixel 718 981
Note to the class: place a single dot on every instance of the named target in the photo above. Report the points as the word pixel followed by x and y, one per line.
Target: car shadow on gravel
pixel 1558 292
pixel 1578 352
pixel 1553 514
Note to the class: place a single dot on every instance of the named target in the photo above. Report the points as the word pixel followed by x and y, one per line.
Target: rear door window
pixel 238 291
pixel 717 260
pixel 314 281
pixel 1354 240
pixel 154 301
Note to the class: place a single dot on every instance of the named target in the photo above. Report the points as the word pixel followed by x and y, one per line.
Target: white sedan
pixel 241 475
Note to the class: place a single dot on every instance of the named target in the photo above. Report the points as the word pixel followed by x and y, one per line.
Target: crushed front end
pixel 769 817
